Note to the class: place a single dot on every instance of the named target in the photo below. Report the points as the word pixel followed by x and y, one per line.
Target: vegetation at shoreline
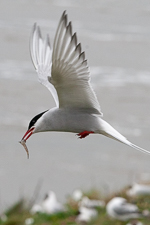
pixel 19 213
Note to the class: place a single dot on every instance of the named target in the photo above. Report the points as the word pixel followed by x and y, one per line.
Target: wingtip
pixel 64 17
pixel 74 38
pixel 82 55
pixel 64 13
pixel 34 27
pixel 48 40
pixel 78 48
pixel 69 28
pixel 31 41
pixel 139 148
pixel 39 32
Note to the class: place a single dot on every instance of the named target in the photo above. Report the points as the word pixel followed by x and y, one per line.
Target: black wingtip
pixel 69 27
pixel 39 32
pixel 48 40
pixel 82 55
pixel 74 38
pixel 78 48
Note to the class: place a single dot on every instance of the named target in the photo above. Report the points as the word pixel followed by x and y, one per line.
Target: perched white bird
pixel 91 203
pixel 29 221
pixel 86 214
pixel 50 204
pixel 138 189
pixel 120 209
pixel 65 72
pixel 77 195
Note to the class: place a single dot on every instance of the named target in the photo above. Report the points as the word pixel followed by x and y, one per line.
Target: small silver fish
pixel 23 142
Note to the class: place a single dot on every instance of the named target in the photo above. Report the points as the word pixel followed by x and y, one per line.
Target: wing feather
pixel 71 53
pixel 64 71
pixel 41 55
pixel 70 71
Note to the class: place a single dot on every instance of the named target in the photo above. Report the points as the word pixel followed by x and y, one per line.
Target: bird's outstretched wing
pixel 70 72
pixel 64 71
pixel 41 55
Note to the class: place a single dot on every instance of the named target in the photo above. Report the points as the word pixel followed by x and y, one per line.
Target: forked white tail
pixel 110 132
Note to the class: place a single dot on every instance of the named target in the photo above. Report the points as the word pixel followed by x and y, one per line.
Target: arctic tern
pixel 65 72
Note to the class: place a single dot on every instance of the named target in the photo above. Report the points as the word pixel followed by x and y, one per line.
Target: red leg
pixel 84 134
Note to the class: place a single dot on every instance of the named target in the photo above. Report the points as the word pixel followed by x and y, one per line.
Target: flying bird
pixel 65 72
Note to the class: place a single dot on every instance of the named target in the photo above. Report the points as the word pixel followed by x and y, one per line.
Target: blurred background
pixel 116 38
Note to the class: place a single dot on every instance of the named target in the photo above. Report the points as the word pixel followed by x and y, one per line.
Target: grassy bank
pixel 19 213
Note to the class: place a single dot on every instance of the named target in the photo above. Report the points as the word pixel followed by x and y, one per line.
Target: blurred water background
pixel 116 38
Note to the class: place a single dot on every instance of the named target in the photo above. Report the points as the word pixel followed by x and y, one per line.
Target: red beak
pixel 28 134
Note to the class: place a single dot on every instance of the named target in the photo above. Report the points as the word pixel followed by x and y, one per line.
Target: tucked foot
pixel 84 134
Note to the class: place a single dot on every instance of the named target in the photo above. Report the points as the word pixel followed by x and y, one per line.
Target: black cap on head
pixel 33 121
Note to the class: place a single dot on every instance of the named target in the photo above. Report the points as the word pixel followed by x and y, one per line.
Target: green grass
pixel 19 212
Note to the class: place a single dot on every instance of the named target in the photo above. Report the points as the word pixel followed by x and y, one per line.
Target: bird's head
pixel 32 128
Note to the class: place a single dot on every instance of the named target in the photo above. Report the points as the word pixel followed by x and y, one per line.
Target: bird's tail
pixel 138 148
pixel 109 131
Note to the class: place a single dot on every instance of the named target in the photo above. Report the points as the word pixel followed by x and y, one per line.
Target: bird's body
pixel 80 121
pixel 138 190
pixel 49 205
pixel 68 120
pixel 65 72
pixel 86 214
pixel 120 209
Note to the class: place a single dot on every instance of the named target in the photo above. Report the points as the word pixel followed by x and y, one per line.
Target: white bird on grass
pixel 50 205
pixel 65 72
pixel 77 195
pixel 138 189
pixel 86 214
pixel 91 203
pixel 119 208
